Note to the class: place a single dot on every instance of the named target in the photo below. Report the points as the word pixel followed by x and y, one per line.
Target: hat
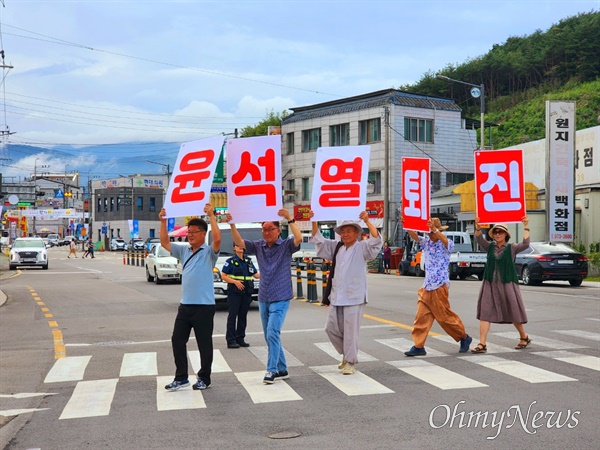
pixel 438 225
pixel 500 226
pixel 346 223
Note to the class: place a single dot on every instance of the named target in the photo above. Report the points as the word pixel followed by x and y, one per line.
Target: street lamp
pixel 477 91
pixel 35 190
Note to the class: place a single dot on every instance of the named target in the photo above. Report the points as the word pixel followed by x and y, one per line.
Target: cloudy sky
pixel 111 71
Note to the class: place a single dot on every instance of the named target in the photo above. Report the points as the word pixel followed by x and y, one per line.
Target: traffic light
pixel 68 194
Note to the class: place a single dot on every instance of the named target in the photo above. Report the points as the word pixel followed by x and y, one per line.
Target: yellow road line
pixel 396 324
pixel 59 345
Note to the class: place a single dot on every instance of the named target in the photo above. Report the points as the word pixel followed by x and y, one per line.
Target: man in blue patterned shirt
pixel 433 301
pixel 274 256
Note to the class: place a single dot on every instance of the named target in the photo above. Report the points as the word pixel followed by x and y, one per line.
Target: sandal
pixel 521 346
pixel 481 348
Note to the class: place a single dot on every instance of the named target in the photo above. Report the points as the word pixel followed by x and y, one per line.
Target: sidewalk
pixel 4 271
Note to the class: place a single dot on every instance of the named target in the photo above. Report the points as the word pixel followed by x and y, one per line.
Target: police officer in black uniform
pixel 239 274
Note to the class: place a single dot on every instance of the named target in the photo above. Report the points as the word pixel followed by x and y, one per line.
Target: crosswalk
pixel 93 398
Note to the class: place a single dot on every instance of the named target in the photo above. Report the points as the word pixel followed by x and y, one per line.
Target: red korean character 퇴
pixel 341 194
pixel 193 167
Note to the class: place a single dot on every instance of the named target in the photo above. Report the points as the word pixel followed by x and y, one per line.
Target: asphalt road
pixel 114 329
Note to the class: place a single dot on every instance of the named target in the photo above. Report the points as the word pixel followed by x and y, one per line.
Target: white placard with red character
pixel 415 193
pixel 499 186
pixel 340 182
pixel 189 188
pixel 254 178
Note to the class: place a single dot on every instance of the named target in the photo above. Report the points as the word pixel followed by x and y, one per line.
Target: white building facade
pixel 395 124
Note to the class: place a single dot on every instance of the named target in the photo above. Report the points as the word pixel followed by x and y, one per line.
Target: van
pixel 53 240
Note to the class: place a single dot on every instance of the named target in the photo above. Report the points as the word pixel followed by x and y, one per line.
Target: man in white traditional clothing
pixel 348 282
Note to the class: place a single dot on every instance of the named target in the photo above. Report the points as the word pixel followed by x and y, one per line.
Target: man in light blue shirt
pixel 348 284
pixel 197 306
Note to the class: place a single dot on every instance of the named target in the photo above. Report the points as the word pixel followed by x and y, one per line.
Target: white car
pixel 117 244
pixel 161 266
pixel 28 252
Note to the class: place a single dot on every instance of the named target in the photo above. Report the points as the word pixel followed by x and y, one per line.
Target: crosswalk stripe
pixel 139 364
pixel 435 375
pixel 589 362
pixel 580 334
pixel 517 369
pixel 90 399
pixel 403 345
pixel 538 340
pixel 185 398
pixel 219 364
pixel 262 354
pixel 259 392
pixel 71 368
pixel 328 348
pixel 16 412
pixel 491 348
pixel 351 385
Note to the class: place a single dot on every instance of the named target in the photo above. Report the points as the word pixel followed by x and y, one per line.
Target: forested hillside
pixel 562 63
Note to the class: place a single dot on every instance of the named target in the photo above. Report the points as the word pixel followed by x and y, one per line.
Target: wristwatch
pixel 526 229
pixel 292 221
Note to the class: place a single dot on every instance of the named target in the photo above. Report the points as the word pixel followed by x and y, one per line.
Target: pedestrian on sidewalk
pixel 348 282
pixel 387 257
pixel 72 249
pixel 500 298
pixel 89 248
pixel 274 256
pixel 433 303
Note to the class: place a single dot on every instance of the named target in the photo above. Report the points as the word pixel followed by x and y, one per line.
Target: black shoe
pixel 233 345
pixel 243 343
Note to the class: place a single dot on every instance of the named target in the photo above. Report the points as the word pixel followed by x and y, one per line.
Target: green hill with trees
pixel 562 63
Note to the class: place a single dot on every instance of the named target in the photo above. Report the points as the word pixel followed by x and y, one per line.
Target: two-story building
pixel 395 124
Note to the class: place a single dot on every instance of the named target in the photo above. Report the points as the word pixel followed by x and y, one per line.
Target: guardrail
pixel 134 257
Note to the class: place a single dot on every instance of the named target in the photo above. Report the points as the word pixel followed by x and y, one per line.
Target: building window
pixel 112 204
pixel 305 189
pixel 290 144
pixel 291 185
pixel 339 135
pixel 105 204
pixel 152 203
pixel 99 205
pixel 140 203
pixel 374 183
pixel 418 130
pixel 369 131
pixel 457 178
pixel 311 139
pixel 436 181
pixel 118 204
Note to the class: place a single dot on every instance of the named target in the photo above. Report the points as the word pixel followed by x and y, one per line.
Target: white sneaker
pixel 349 369
pixel 342 364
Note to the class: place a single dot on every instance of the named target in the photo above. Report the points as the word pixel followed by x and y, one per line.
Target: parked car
pixel 151 242
pixel 136 244
pixel 117 244
pixel 28 252
pixel 161 266
pixel 307 254
pixel 544 261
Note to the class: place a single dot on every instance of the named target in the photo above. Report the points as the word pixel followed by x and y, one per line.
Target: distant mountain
pixel 98 160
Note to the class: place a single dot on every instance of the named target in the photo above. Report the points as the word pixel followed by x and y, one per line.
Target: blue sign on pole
pixel 59 194
pixel 170 224
pixel 104 229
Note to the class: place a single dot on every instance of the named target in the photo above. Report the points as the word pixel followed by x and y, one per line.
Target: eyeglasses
pixel 268 230
pixel 498 231
pixel 193 232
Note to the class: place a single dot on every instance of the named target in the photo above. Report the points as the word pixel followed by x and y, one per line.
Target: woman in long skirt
pixel 500 298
